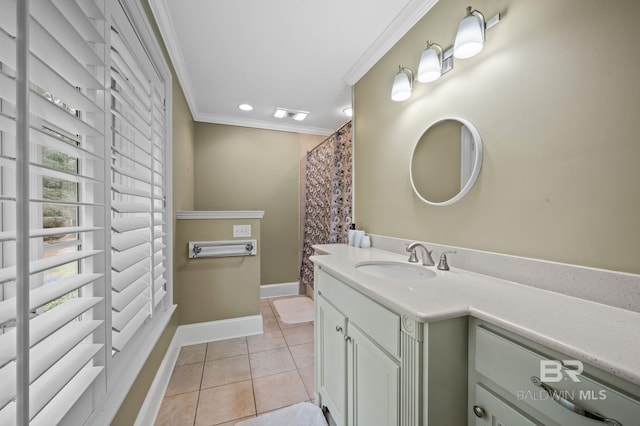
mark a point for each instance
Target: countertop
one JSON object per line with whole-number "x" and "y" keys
{"x": 602, "y": 336}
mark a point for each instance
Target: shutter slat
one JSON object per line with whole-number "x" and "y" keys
{"x": 51, "y": 348}
{"x": 120, "y": 319}
{"x": 45, "y": 294}
{"x": 121, "y": 280}
{"x": 129, "y": 190}
{"x": 129, "y": 207}
{"x": 56, "y": 409}
{"x": 141, "y": 175}
{"x": 45, "y": 324}
{"x": 57, "y": 25}
{"x": 119, "y": 300}
{"x": 123, "y": 260}
{"x": 79, "y": 20}
{"x": 35, "y": 266}
{"x": 124, "y": 224}
{"x": 158, "y": 296}
{"x": 121, "y": 242}
{"x": 11, "y": 235}
{"x": 56, "y": 378}
{"x": 119, "y": 340}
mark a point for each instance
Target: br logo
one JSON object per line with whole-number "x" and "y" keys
{"x": 552, "y": 370}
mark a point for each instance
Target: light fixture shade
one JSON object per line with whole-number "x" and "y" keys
{"x": 401, "y": 89}
{"x": 430, "y": 68}
{"x": 470, "y": 35}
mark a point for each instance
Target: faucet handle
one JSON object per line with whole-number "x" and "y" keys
{"x": 413, "y": 258}
{"x": 443, "y": 265}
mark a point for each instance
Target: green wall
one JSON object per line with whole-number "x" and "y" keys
{"x": 212, "y": 289}
{"x": 555, "y": 97}
{"x": 240, "y": 168}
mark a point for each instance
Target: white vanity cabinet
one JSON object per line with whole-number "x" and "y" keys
{"x": 511, "y": 378}
{"x": 375, "y": 367}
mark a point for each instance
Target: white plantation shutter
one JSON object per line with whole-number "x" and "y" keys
{"x": 97, "y": 270}
{"x": 138, "y": 184}
{"x": 66, "y": 261}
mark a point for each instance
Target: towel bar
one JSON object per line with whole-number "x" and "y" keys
{"x": 199, "y": 249}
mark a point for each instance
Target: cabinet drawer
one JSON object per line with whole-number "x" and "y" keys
{"x": 511, "y": 366}
{"x": 378, "y": 322}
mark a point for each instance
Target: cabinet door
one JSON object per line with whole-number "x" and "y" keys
{"x": 496, "y": 412}
{"x": 331, "y": 359}
{"x": 373, "y": 383}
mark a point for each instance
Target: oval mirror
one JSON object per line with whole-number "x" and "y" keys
{"x": 446, "y": 161}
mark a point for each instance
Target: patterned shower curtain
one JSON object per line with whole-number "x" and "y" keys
{"x": 329, "y": 196}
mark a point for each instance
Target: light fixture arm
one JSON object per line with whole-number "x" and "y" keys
{"x": 431, "y": 45}
{"x": 406, "y": 70}
{"x": 478, "y": 14}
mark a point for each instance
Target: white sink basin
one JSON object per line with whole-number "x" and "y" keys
{"x": 396, "y": 270}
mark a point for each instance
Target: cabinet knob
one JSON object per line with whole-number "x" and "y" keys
{"x": 347, "y": 338}
{"x": 478, "y": 411}
{"x": 338, "y": 329}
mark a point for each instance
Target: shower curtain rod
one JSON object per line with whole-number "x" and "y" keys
{"x": 328, "y": 137}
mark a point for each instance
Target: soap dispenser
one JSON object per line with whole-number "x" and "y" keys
{"x": 351, "y": 234}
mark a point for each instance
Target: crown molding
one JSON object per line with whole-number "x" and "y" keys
{"x": 406, "y": 19}
{"x": 261, "y": 124}
{"x": 220, "y": 214}
{"x": 162, "y": 16}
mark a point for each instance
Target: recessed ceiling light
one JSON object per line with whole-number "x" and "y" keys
{"x": 348, "y": 111}
{"x": 245, "y": 107}
{"x": 300, "y": 116}
{"x": 280, "y": 113}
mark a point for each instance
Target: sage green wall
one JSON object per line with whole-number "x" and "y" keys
{"x": 183, "y": 195}
{"x": 555, "y": 96}
{"x": 240, "y": 168}
{"x": 211, "y": 289}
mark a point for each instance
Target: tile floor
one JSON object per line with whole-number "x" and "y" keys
{"x": 223, "y": 382}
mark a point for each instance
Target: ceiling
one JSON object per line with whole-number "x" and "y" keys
{"x": 293, "y": 54}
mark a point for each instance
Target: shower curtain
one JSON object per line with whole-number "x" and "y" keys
{"x": 329, "y": 196}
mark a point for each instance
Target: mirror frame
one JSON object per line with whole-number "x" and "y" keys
{"x": 477, "y": 162}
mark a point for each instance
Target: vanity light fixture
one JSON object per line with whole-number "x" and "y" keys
{"x": 430, "y": 68}
{"x": 435, "y": 61}
{"x": 471, "y": 33}
{"x": 402, "y": 84}
{"x": 280, "y": 113}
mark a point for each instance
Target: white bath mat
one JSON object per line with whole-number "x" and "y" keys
{"x": 301, "y": 414}
{"x": 294, "y": 309}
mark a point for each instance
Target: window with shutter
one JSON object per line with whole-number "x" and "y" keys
{"x": 87, "y": 265}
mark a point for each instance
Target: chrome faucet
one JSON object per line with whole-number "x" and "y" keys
{"x": 427, "y": 260}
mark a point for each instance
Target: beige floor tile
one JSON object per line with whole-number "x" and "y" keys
{"x": 271, "y": 362}
{"x": 178, "y": 410}
{"x": 270, "y": 324}
{"x": 298, "y": 335}
{"x": 192, "y": 354}
{"x": 185, "y": 378}
{"x": 264, "y": 302}
{"x": 266, "y": 341}
{"x": 226, "y": 348}
{"x": 225, "y": 403}
{"x": 308, "y": 379}
{"x": 302, "y": 355}
{"x": 266, "y": 311}
{"x": 279, "y": 390}
{"x": 226, "y": 370}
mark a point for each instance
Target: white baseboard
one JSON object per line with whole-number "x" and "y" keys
{"x": 278, "y": 290}
{"x": 191, "y": 334}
